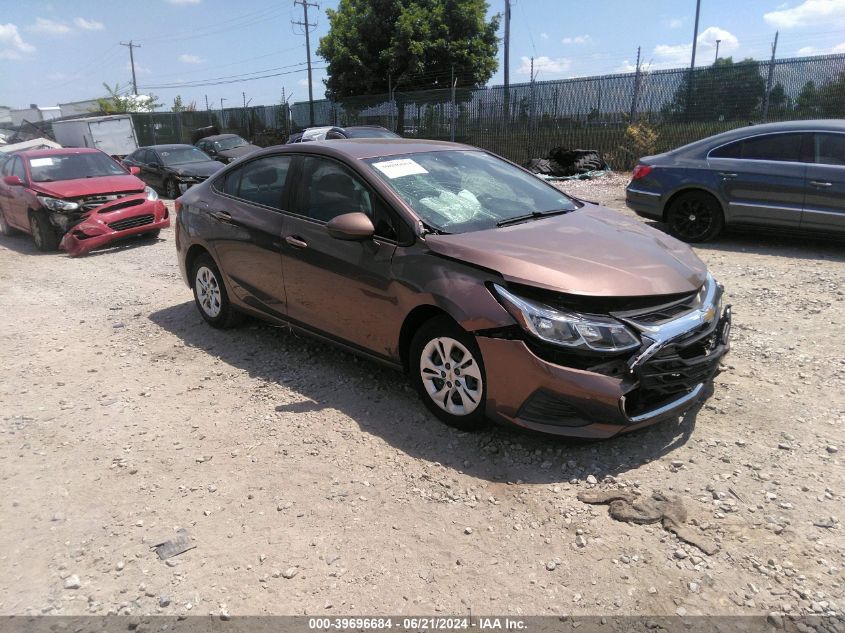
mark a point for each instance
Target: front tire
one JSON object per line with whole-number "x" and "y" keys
{"x": 210, "y": 294}
{"x": 695, "y": 216}
{"x": 171, "y": 189}
{"x": 5, "y": 228}
{"x": 43, "y": 234}
{"x": 448, "y": 373}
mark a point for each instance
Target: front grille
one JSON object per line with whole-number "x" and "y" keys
{"x": 544, "y": 408}
{"x": 676, "y": 370}
{"x": 92, "y": 202}
{"x": 131, "y": 223}
{"x": 124, "y": 205}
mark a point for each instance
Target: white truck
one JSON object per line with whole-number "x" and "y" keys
{"x": 113, "y": 134}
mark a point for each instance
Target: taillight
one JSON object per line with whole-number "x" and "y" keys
{"x": 641, "y": 171}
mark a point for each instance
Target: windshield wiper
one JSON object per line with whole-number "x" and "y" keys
{"x": 534, "y": 215}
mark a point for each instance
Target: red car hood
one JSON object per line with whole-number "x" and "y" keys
{"x": 592, "y": 251}
{"x": 89, "y": 186}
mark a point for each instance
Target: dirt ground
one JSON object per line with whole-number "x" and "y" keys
{"x": 313, "y": 482}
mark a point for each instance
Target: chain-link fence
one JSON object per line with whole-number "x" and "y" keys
{"x": 267, "y": 125}
{"x": 624, "y": 116}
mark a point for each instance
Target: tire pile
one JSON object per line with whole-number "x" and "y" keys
{"x": 563, "y": 162}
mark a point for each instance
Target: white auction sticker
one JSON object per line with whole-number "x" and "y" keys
{"x": 400, "y": 167}
{"x": 40, "y": 162}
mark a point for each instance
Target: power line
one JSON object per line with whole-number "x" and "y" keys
{"x": 231, "y": 81}
{"x": 188, "y": 84}
{"x": 235, "y": 24}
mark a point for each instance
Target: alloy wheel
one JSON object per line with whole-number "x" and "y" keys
{"x": 208, "y": 291}
{"x": 693, "y": 219}
{"x": 451, "y": 376}
{"x": 172, "y": 190}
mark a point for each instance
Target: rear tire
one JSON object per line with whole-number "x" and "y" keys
{"x": 43, "y": 234}
{"x": 210, "y": 294}
{"x": 448, "y": 373}
{"x": 695, "y": 216}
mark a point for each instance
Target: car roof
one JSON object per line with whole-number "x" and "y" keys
{"x": 809, "y": 125}
{"x": 168, "y": 146}
{"x": 34, "y": 153}
{"x": 361, "y": 148}
{"x": 217, "y": 137}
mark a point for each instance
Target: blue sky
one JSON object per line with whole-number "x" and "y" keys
{"x": 60, "y": 51}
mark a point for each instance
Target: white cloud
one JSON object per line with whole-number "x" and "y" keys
{"x": 578, "y": 39}
{"x": 809, "y": 13}
{"x": 544, "y": 36}
{"x": 812, "y": 50}
{"x": 303, "y": 82}
{"x": 185, "y": 58}
{"x": 674, "y": 23}
{"x": 678, "y": 55}
{"x": 139, "y": 70}
{"x": 11, "y": 42}
{"x": 88, "y": 25}
{"x": 51, "y": 27}
{"x": 626, "y": 67}
{"x": 546, "y": 65}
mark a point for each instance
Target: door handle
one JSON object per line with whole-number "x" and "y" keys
{"x": 221, "y": 216}
{"x": 296, "y": 242}
{"x": 727, "y": 175}
{"x": 817, "y": 183}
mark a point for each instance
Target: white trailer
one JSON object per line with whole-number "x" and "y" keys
{"x": 115, "y": 134}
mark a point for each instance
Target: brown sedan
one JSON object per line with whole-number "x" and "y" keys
{"x": 500, "y": 296}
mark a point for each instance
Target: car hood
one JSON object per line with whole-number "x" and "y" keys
{"x": 203, "y": 169}
{"x": 89, "y": 186}
{"x": 237, "y": 152}
{"x": 592, "y": 251}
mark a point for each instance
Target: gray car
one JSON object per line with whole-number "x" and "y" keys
{"x": 788, "y": 175}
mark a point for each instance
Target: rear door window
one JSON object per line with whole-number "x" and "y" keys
{"x": 260, "y": 181}
{"x": 829, "y": 149}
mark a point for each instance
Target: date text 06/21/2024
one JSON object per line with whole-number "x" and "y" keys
{"x": 418, "y": 623}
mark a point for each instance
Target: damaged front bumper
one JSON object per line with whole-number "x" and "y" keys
{"x": 538, "y": 394}
{"x": 128, "y": 216}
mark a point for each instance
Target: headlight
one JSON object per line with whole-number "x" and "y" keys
{"x": 54, "y": 204}
{"x": 152, "y": 194}
{"x": 568, "y": 329}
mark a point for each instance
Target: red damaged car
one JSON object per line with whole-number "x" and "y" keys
{"x": 77, "y": 199}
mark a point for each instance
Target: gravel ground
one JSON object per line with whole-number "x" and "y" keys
{"x": 313, "y": 482}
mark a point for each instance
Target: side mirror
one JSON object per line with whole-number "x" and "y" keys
{"x": 351, "y": 226}
{"x": 134, "y": 170}
{"x": 13, "y": 181}
{"x": 154, "y": 165}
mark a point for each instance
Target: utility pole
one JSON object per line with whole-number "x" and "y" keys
{"x": 206, "y": 103}
{"x": 222, "y": 99}
{"x": 692, "y": 61}
{"x": 454, "y": 85}
{"x": 507, "y": 58}
{"x": 307, "y": 26}
{"x": 635, "y": 98}
{"x": 770, "y": 79}
{"x": 531, "y": 114}
{"x": 717, "y": 51}
{"x": 132, "y": 46}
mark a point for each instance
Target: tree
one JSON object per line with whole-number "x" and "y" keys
{"x": 177, "y": 104}
{"x": 116, "y": 103}
{"x": 373, "y": 45}
{"x": 827, "y": 101}
{"x": 726, "y": 90}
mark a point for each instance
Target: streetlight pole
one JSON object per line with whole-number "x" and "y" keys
{"x": 717, "y": 51}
